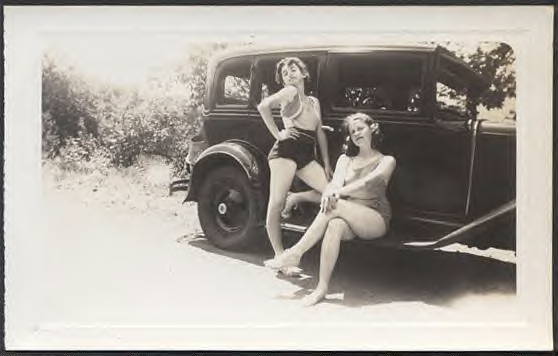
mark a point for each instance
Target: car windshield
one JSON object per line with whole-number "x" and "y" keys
{"x": 453, "y": 89}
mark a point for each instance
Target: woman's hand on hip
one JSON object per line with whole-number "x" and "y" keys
{"x": 286, "y": 134}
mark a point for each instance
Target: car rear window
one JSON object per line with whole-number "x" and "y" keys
{"x": 234, "y": 82}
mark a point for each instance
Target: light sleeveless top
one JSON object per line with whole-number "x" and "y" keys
{"x": 373, "y": 194}
{"x": 297, "y": 113}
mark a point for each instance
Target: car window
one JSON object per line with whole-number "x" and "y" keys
{"x": 237, "y": 89}
{"x": 377, "y": 81}
{"x": 451, "y": 99}
{"x": 234, "y": 82}
{"x": 451, "y": 90}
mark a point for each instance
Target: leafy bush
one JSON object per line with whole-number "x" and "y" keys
{"x": 85, "y": 125}
{"x": 84, "y": 154}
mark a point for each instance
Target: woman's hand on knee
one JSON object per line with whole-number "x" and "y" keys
{"x": 329, "y": 200}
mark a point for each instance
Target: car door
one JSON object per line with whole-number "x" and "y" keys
{"x": 395, "y": 87}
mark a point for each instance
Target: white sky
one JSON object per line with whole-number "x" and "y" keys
{"x": 122, "y": 59}
{"x": 127, "y": 59}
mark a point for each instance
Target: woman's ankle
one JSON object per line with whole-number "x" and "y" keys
{"x": 321, "y": 288}
{"x": 293, "y": 251}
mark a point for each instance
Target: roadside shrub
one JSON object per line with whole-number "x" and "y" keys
{"x": 90, "y": 126}
{"x": 83, "y": 154}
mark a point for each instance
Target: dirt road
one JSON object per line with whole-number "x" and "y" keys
{"x": 111, "y": 265}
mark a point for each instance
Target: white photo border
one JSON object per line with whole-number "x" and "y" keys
{"x": 528, "y": 29}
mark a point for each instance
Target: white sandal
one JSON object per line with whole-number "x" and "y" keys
{"x": 284, "y": 260}
{"x": 290, "y": 271}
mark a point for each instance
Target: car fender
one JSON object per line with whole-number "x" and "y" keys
{"x": 236, "y": 152}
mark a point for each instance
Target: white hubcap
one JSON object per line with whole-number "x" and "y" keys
{"x": 222, "y": 208}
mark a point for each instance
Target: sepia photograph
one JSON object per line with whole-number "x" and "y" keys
{"x": 247, "y": 178}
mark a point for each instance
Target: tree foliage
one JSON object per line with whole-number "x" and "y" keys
{"x": 68, "y": 106}
{"x": 84, "y": 122}
{"x": 495, "y": 62}
{"x": 496, "y": 65}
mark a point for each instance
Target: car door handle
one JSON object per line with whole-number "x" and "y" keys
{"x": 328, "y": 128}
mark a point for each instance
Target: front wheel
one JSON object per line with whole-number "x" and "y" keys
{"x": 229, "y": 209}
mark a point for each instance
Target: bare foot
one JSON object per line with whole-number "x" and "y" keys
{"x": 290, "y": 203}
{"x": 315, "y": 297}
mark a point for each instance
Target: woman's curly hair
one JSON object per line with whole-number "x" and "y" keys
{"x": 287, "y": 62}
{"x": 349, "y": 148}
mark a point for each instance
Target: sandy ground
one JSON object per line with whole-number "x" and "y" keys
{"x": 121, "y": 255}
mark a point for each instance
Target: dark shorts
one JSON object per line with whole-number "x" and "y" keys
{"x": 300, "y": 149}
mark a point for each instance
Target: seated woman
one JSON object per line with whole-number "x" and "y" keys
{"x": 353, "y": 204}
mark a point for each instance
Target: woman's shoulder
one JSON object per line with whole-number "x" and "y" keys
{"x": 314, "y": 100}
{"x": 288, "y": 92}
{"x": 388, "y": 159}
{"x": 343, "y": 158}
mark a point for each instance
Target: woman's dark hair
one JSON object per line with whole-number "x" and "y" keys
{"x": 287, "y": 62}
{"x": 349, "y": 147}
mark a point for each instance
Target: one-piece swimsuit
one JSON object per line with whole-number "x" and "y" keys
{"x": 373, "y": 194}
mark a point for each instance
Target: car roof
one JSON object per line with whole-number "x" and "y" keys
{"x": 249, "y": 50}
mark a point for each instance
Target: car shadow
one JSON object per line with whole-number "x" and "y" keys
{"x": 367, "y": 274}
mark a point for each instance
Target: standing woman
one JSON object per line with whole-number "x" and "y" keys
{"x": 293, "y": 152}
{"x": 353, "y": 204}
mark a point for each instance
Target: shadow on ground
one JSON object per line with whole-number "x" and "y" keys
{"x": 368, "y": 274}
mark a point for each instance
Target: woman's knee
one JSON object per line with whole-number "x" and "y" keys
{"x": 328, "y": 215}
{"x": 336, "y": 228}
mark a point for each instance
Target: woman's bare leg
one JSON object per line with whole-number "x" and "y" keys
{"x": 291, "y": 257}
{"x": 313, "y": 174}
{"x": 337, "y": 230}
{"x": 365, "y": 222}
{"x": 282, "y": 172}
{"x": 293, "y": 199}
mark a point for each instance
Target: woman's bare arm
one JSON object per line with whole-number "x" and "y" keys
{"x": 340, "y": 170}
{"x": 264, "y": 107}
{"x": 329, "y": 196}
{"x": 383, "y": 171}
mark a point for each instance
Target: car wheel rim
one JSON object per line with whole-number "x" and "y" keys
{"x": 230, "y": 207}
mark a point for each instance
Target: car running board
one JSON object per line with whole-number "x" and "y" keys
{"x": 459, "y": 235}
{"x": 467, "y": 231}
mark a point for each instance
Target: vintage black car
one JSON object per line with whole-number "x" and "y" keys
{"x": 455, "y": 175}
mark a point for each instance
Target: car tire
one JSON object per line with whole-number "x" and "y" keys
{"x": 229, "y": 209}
